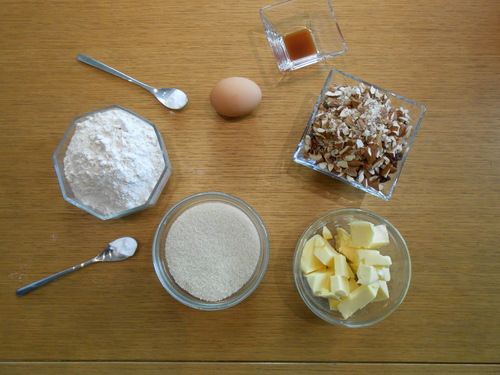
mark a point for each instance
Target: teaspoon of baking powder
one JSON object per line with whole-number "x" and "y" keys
{"x": 120, "y": 249}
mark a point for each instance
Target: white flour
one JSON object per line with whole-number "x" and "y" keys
{"x": 113, "y": 161}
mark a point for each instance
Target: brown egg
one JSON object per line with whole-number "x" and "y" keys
{"x": 235, "y": 96}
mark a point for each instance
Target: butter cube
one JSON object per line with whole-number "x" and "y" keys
{"x": 367, "y": 274}
{"x": 342, "y": 243}
{"x": 383, "y": 273}
{"x": 308, "y": 262}
{"x": 341, "y": 266}
{"x": 377, "y": 260}
{"x": 350, "y": 271}
{"x": 319, "y": 241}
{"x": 327, "y": 235}
{"x": 325, "y": 254}
{"x": 383, "y": 291}
{"x": 358, "y": 299}
{"x": 319, "y": 282}
{"x": 353, "y": 285}
{"x": 333, "y": 303}
{"x": 366, "y": 235}
{"x": 342, "y": 238}
{"x": 362, "y": 254}
{"x": 339, "y": 285}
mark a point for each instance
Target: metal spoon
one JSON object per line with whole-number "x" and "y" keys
{"x": 111, "y": 253}
{"x": 170, "y": 98}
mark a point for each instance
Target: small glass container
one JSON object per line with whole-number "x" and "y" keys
{"x": 400, "y": 270}
{"x": 302, "y": 32}
{"x": 416, "y": 112}
{"x": 58, "y": 159}
{"x": 160, "y": 259}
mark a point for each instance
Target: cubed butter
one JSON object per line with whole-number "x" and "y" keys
{"x": 320, "y": 241}
{"x": 383, "y": 273}
{"x": 342, "y": 241}
{"x": 383, "y": 291}
{"x": 353, "y": 285}
{"x": 367, "y": 274}
{"x": 339, "y": 285}
{"x": 319, "y": 281}
{"x": 358, "y": 299}
{"x": 325, "y": 254}
{"x": 377, "y": 260}
{"x": 327, "y": 235}
{"x": 341, "y": 266}
{"x": 366, "y": 235}
{"x": 333, "y": 303}
{"x": 308, "y": 262}
{"x": 362, "y": 254}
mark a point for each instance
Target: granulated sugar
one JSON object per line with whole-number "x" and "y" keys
{"x": 212, "y": 250}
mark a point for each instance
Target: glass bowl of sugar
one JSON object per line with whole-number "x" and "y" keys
{"x": 210, "y": 251}
{"x": 112, "y": 162}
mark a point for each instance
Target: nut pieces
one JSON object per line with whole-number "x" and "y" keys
{"x": 357, "y": 135}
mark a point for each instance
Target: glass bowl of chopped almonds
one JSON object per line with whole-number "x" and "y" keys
{"x": 360, "y": 134}
{"x": 352, "y": 268}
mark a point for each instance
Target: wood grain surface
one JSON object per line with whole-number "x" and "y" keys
{"x": 112, "y": 318}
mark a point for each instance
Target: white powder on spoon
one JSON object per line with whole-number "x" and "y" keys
{"x": 125, "y": 246}
{"x": 212, "y": 250}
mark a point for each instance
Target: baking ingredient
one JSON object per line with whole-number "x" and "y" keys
{"x": 309, "y": 262}
{"x": 367, "y": 235}
{"x": 125, "y": 246}
{"x": 235, "y": 96}
{"x": 348, "y": 285}
{"x": 299, "y": 44}
{"x": 113, "y": 161}
{"x": 357, "y": 135}
{"x": 358, "y": 299}
{"x": 212, "y": 250}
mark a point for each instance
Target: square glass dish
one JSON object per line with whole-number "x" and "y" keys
{"x": 359, "y": 134}
{"x": 302, "y": 32}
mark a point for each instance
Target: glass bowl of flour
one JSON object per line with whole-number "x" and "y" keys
{"x": 210, "y": 251}
{"x": 112, "y": 162}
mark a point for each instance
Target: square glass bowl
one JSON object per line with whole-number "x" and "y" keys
{"x": 400, "y": 270}
{"x": 67, "y": 191}
{"x": 160, "y": 259}
{"x": 302, "y": 32}
{"x": 337, "y": 144}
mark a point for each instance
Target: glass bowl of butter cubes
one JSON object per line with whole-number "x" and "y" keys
{"x": 352, "y": 268}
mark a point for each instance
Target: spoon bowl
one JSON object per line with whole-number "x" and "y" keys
{"x": 120, "y": 249}
{"x": 171, "y": 98}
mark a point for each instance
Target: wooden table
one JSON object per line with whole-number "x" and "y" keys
{"x": 112, "y": 318}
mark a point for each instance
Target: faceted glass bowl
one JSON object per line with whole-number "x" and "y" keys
{"x": 416, "y": 112}
{"x": 400, "y": 270}
{"x": 290, "y": 16}
{"x": 67, "y": 192}
{"x": 162, "y": 268}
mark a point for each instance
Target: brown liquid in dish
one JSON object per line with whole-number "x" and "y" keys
{"x": 299, "y": 44}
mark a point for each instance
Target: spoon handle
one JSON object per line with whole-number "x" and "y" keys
{"x": 99, "y": 65}
{"x": 37, "y": 284}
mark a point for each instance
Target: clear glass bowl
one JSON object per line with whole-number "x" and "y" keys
{"x": 416, "y": 112}
{"x": 400, "y": 270}
{"x": 161, "y": 265}
{"x": 67, "y": 192}
{"x": 289, "y": 16}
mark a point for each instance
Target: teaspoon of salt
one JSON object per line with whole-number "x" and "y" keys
{"x": 120, "y": 249}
